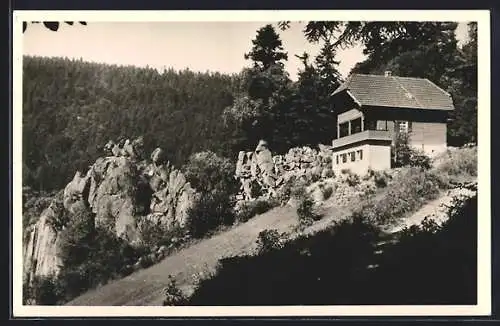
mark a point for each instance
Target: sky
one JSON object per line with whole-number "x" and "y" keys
{"x": 199, "y": 46}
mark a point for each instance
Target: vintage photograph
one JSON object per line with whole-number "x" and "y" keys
{"x": 249, "y": 163}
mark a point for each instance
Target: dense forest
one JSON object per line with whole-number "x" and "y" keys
{"x": 72, "y": 108}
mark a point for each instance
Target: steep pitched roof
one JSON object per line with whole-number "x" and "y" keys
{"x": 395, "y": 91}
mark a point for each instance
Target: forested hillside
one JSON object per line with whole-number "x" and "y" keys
{"x": 72, "y": 108}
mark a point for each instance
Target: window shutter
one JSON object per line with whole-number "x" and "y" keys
{"x": 409, "y": 126}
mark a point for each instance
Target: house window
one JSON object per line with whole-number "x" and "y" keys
{"x": 344, "y": 158}
{"x": 382, "y": 125}
{"x": 337, "y": 160}
{"x": 344, "y": 129}
{"x": 353, "y": 156}
{"x": 370, "y": 124}
{"x": 360, "y": 154}
{"x": 402, "y": 126}
{"x": 356, "y": 126}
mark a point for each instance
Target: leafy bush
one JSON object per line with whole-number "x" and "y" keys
{"x": 90, "y": 255}
{"x": 213, "y": 177}
{"x": 210, "y": 211}
{"x": 155, "y": 233}
{"x": 409, "y": 190}
{"x": 249, "y": 209}
{"x": 380, "y": 180}
{"x": 208, "y": 173}
{"x": 327, "y": 192}
{"x": 293, "y": 188}
{"x": 405, "y": 155}
{"x": 353, "y": 179}
{"x": 329, "y": 173}
{"x": 35, "y": 202}
{"x": 173, "y": 295}
{"x": 43, "y": 290}
{"x": 269, "y": 240}
{"x": 459, "y": 163}
{"x": 305, "y": 209}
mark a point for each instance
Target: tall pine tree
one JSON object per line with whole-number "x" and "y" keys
{"x": 264, "y": 90}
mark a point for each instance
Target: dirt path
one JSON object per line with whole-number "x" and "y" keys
{"x": 435, "y": 209}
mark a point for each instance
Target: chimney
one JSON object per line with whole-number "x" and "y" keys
{"x": 388, "y": 73}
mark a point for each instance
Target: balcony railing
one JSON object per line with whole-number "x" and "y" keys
{"x": 361, "y": 136}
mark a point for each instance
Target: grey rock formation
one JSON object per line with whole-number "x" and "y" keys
{"x": 40, "y": 252}
{"x": 272, "y": 172}
{"x": 113, "y": 189}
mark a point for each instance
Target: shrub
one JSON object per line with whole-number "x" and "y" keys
{"x": 305, "y": 209}
{"x": 404, "y": 155}
{"x": 34, "y": 203}
{"x": 418, "y": 158}
{"x": 327, "y": 192}
{"x": 155, "y": 233}
{"x": 380, "y": 179}
{"x": 44, "y": 290}
{"x": 91, "y": 255}
{"x": 345, "y": 171}
{"x": 270, "y": 240}
{"x": 210, "y": 211}
{"x": 208, "y": 173}
{"x": 459, "y": 163}
{"x": 353, "y": 179}
{"x": 409, "y": 190}
{"x": 61, "y": 217}
{"x": 249, "y": 209}
{"x": 292, "y": 188}
{"x": 329, "y": 173}
{"x": 173, "y": 295}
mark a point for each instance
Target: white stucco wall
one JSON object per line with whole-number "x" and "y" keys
{"x": 375, "y": 157}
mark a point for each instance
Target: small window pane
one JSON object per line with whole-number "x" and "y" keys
{"x": 344, "y": 129}
{"x": 382, "y": 125}
{"x": 353, "y": 156}
{"x": 403, "y": 126}
{"x": 356, "y": 126}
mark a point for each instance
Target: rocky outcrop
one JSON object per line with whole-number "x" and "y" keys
{"x": 40, "y": 254}
{"x": 112, "y": 194}
{"x": 172, "y": 194}
{"x": 260, "y": 169}
{"x": 121, "y": 189}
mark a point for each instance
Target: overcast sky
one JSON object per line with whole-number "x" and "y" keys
{"x": 199, "y": 46}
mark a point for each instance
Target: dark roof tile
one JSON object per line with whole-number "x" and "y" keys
{"x": 395, "y": 91}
